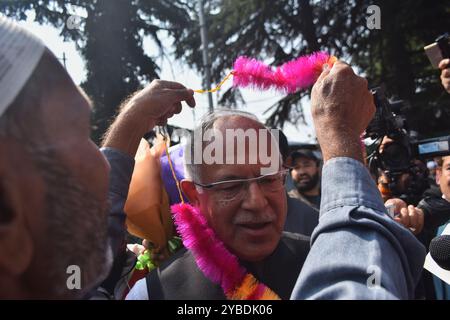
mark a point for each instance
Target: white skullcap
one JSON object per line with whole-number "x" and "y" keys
{"x": 20, "y": 52}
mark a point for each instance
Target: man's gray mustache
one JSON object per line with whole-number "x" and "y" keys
{"x": 254, "y": 219}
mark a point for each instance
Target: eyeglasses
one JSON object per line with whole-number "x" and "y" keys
{"x": 234, "y": 190}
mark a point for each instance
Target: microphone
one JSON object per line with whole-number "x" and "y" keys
{"x": 440, "y": 251}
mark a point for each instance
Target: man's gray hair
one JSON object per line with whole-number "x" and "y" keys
{"x": 192, "y": 169}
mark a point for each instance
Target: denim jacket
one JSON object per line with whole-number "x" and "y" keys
{"x": 357, "y": 250}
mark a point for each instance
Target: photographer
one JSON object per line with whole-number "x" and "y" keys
{"x": 437, "y": 209}
{"x": 422, "y": 212}
{"x": 433, "y": 213}
{"x": 437, "y": 212}
{"x": 400, "y": 185}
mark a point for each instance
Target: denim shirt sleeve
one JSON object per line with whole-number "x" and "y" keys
{"x": 122, "y": 166}
{"x": 357, "y": 250}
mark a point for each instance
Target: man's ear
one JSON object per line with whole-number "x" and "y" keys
{"x": 188, "y": 188}
{"x": 16, "y": 244}
{"x": 438, "y": 175}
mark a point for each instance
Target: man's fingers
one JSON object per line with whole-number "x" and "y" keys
{"x": 170, "y": 84}
{"x": 416, "y": 217}
{"x": 182, "y": 95}
{"x": 447, "y": 85}
{"x": 445, "y": 73}
{"x": 170, "y": 115}
{"x": 177, "y": 108}
{"x": 161, "y": 122}
{"x": 190, "y": 98}
{"x": 167, "y": 116}
{"x": 191, "y": 102}
{"x": 178, "y": 91}
{"x": 444, "y": 63}
{"x": 421, "y": 220}
{"x": 413, "y": 218}
{"x": 404, "y": 217}
{"x": 410, "y": 217}
{"x": 325, "y": 72}
{"x": 397, "y": 203}
{"x": 340, "y": 66}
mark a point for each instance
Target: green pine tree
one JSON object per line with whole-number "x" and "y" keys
{"x": 110, "y": 40}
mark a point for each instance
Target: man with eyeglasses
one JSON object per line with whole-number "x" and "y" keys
{"x": 244, "y": 205}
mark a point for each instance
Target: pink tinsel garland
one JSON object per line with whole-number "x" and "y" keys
{"x": 290, "y": 77}
{"x": 212, "y": 258}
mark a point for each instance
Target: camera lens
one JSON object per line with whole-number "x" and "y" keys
{"x": 395, "y": 156}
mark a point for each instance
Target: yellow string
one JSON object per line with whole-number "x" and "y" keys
{"x": 173, "y": 171}
{"x": 218, "y": 86}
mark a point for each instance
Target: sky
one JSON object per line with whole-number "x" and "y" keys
{"x": 257, "y": 101}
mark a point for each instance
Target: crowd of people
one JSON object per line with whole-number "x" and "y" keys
{"x": 311, "y": 229}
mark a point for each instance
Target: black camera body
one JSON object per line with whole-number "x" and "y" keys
{"x": 388, "y": 121}
{"x": 396, "y": 160}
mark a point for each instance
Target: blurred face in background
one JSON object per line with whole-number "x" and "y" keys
{"x": 305, "y": 173}
{"x": 443, "y": 177}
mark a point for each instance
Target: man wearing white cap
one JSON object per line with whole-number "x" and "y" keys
{"x": 53, "y": 178}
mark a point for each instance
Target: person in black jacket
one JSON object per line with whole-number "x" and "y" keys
{"x": 433, "y": 211}
{"x": 436, "y": 209}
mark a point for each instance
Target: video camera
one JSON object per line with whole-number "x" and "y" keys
{"x": 388, "y": 121}
{"x": 396, "y": 159}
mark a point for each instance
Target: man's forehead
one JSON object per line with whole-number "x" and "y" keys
{"x": 445, "y": 160}
{"x": 236, "y": 129}
{"x": 69, "y": 104}
{"x": 237, "y": 122}
{"x": 302, "y": 159}
{"x": 237, "y": 147}
{"x": 217, "y": 172}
